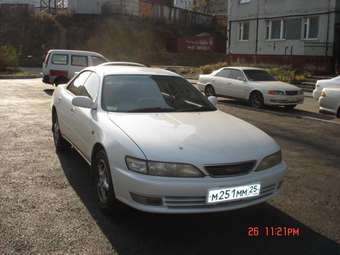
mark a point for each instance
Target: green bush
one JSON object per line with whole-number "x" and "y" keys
{"x": 8, "y": 57}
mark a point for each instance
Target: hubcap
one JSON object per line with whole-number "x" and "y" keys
{"x": 256, "y": 100}
{"x": 102, "y": 181}
{"x": 210, "y": 91}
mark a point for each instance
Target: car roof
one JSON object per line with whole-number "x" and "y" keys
{"x": 243, "y": 68}
{"x": 130, "y": 70}
{"x": 74, "y": 52}
{"x": 122, "y": 64}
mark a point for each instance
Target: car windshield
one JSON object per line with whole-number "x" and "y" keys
{"x": 151, "y": 93}
{"x": 258, "y": 75}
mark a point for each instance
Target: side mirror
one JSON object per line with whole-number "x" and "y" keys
{"x": 213, "y": 100}
{"x": 84, "y": 102}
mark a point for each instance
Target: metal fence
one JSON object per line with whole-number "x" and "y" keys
{"x": 158, "y": 12}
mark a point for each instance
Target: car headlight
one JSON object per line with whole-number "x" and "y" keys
{"x": 270, "y": 161}
{"x": 276, "y": 92}
{"x": 136, "y": 165}
{"x": 162, "y": 168}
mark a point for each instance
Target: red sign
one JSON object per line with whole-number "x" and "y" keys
{"x": 196, "y": 43}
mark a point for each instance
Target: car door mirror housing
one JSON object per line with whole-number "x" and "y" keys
{"x": 84, "y": 102}
{"x": 213, "y": 100}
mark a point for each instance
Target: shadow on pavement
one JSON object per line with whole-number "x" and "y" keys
{"x": 276, "y": 110}
{"x": 218, "y": 233}
{"x": 49, "y": 91}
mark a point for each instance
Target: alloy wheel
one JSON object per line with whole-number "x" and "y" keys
{"x": 103, "y": 186}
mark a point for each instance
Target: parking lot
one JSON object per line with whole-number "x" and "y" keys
{"x": 47, "y": 204}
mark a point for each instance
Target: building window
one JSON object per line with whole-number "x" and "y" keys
{"x": 244, "y": 1}
{"x": 293, "y": 29}
{"x": 244, "y": 31}
{"x": 275, "y": 29}
{"x": 311, "y": 28}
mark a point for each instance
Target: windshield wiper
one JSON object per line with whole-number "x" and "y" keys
{"x": 153, "y": 109}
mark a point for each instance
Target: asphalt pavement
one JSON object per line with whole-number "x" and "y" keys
{"x": 48, "y": 206}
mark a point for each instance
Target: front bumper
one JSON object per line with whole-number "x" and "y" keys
{"x": 283, "y": 100}
{"x": 188, "y": 195}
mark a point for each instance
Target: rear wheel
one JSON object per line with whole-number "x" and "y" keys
{"x": 59, "y": 142}
{"x": 60, "y": 80}
{"x": 256, "y": 99}
{"x": 209, "y": 91}
{"x": 103, "y": 183}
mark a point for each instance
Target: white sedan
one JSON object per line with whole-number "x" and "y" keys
{"x": 155, "y": 143}
{"x": 255, "y": 85}
{"x": 330, "y": 101}
{"x": 326, "y": 83}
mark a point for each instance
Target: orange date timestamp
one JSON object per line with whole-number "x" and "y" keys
{"x": 273, "y": 231}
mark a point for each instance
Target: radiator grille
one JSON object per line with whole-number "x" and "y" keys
{"x": 292, "y": 92}
{"x": 230, "y": 169}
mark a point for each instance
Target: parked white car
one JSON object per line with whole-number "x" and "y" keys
{"x": 157, "y": 144}
{"x": 252, "y": 84}
{"x": 61, "y": 65}
{"x": 330, "y": 101}
{"x": 325, "y": 83}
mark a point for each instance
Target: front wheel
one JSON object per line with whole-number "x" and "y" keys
{"x": 103, "y": 183}
{"x": 209, "y": 91}
{"x": 256, "y": 100}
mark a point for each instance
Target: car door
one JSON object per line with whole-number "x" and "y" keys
{"x": 238, "y": 84}
{"x": 85, "y": 120}
{"x": 222, "y": 83}
{"x": 69, "y": 111}
{"x": 78, "y": 63}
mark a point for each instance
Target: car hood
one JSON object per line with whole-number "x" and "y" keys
{"x": 204, "y": 137}
{"x": 329, "y": 82}
{"x": 274, "y": 85}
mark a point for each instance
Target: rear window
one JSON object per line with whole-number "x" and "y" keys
{"x": 97, "y": 60}
{"x": 79, "y": 60}
{"x": 60, "y": 59}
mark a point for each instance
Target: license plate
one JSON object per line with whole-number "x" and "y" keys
{"x": 233, "y": 193}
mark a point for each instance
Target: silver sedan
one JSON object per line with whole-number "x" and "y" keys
{"x": 254, "y": 85}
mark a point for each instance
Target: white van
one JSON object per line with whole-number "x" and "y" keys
{"x": 60, "y": 65}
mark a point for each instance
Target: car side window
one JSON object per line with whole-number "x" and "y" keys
{"x": 225, "y": 73}
{"x": 91, "y": 86}
{"x": 60, "y": 59}
{"x": 77, "y": 86}
{"x": 237, "y": 75}
{"x": 77, "y": 60}
{"x": 97, "y": 60}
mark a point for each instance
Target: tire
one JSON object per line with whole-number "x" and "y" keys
{"x": 338, "y": 113}
{"x": 290, "y": 107}
{"x": 59, "y": 142}
{"x": 256, "y": 99}
{"x": 209, "y": 91}
{"x": 103, "y": 184}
